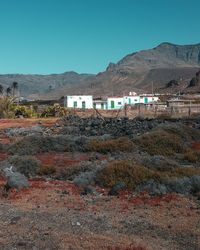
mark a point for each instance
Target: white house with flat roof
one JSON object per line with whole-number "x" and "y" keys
{"x": 100, "y": 104}
{"x": 79, "y": 101}
{"x": 145, "y": 98}
{"x": 116, "y": 102}
{"x": 134, "y": 99}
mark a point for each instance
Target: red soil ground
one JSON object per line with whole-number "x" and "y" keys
{"x": 45, "y": 216}
{"x": 196, "y": 146}
{"x": 61, "y": 159}
{"x": 12, "y": 123}
{"x": 127, "y": 220}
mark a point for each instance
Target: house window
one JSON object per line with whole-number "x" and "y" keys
{"x": 75, "y": 104}
{"x": 135, "y": 100}
{"x": 119, "y": 103}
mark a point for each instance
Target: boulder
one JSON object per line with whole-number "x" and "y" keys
{"x": 17, "y": 180}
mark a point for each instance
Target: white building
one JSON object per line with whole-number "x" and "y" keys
{"x": 131, "y": 99}
{"x": 116, "y": 102}
{"x": 79, "y": 101}
{"x": 148, "y": 98}
{"x": 100, "y": 104}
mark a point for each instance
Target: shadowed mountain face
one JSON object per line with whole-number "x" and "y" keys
{"x": 135, "y": 72}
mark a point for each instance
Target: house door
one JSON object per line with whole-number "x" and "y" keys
{"x": 75, "y": 104}
{"x": 112, "y": 104}
{"x": 129, "y": 101}
{"x": 83, "y": 105}
{"x": 145, "y": 100}
{"x": 102, "y": 106}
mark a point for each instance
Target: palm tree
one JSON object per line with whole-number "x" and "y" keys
{"x": 1, "y": 90}
{"x": 14, "y": 87}
{"x": 8, "y": 91}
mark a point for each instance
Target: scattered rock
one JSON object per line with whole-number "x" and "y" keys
{"x": 114, "y": 190}
{"x": 88, "y": 189}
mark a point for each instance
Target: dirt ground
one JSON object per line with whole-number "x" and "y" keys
{"x": 53, "y": 214}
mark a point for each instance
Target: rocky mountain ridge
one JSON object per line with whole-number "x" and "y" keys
{"x": 139, "y": 71}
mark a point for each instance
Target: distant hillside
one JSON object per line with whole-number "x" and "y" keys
{"x": 135, "y": 72}
{"x": 44, "y": 84}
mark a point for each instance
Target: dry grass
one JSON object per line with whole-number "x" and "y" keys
{"x": 122, "y": 144}
{"x": 161, "y": 143}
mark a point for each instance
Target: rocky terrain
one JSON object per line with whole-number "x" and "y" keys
{"x": 138, "y": 72}
{"x": 100, "y": 183}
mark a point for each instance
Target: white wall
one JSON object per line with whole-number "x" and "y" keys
{"x": 117, "y": 101}
{"x": 132, "y": 99}
{"x": 98, "y": 105}
{"x": 70, "y": 101}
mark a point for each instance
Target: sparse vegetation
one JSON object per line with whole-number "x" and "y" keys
{"x": 71, "y": 172}
{"x": 122, "y": 144}
{"x": 26, "y": 165}
{"x": 46, "y": 170}
{"x": 192, "y": 157}
{"x": 7, "y": 107}
{"x": 124, "y": 171}
{"x": 134, "y": 175}
{"x": 55, "y": 111}
{"x": 161, "y": 143}
{"x": 24, "y": 111}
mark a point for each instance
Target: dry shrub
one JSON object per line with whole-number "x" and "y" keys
{"x": 122, "y": 144}
{"x": 46, "y": 170}
{"x": 161, "y": 143}
{"x": 186, "y": 133}
{"x": 126, "y": 172}
{"x": 71, "y": 172}
{"x": 134, "y": 175}
{"x": 192, "y": 157}
{"x": 26, "y": 165}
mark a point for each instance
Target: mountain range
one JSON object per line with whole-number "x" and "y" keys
{"x": 139, "y": 72}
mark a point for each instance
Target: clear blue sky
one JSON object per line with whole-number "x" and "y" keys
{"x": 55, "y": 36}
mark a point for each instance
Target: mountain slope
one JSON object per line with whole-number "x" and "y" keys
{"x": 135, "y": 72}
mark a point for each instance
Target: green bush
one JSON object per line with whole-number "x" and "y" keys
{"x": 55, "y": 111}
{"x": 25, "y": 111}
{"x": 161, "y": 143}
{"x": 122, "y": 144}
{"x": 7, "y": 107}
